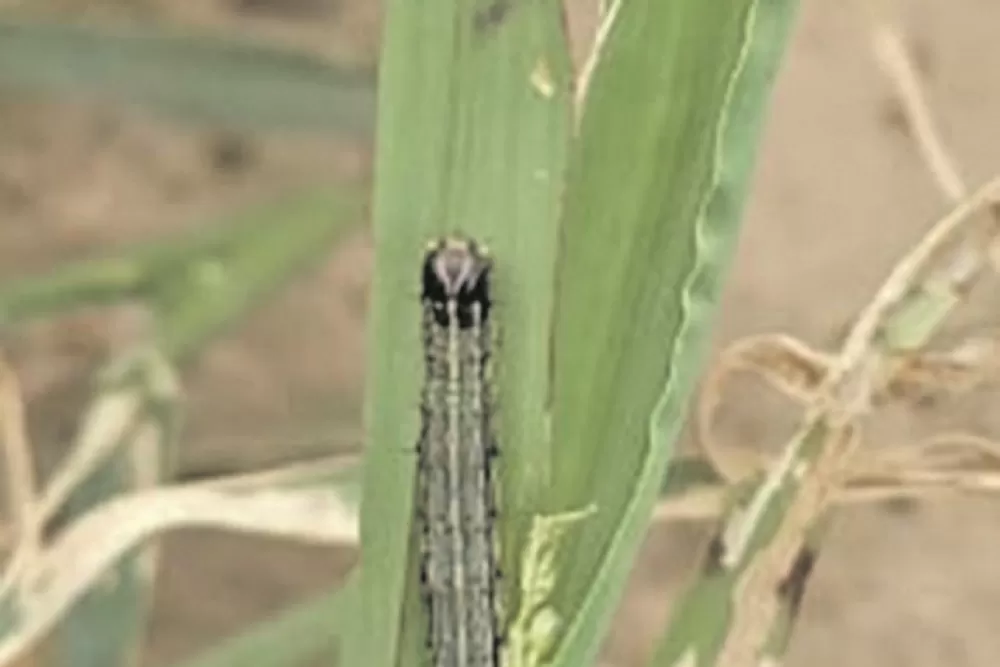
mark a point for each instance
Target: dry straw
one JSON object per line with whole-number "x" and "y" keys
{"x": 43, "y": 577}
{"x": 884, "y": 358}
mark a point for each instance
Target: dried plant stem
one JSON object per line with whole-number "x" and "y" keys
{"x": 755, "y": 573}
{"x": 91, "y": 546}
{"x": 43, "y": 580}
{"x": 891, "y": 55}
{"x": 21, "y": 482}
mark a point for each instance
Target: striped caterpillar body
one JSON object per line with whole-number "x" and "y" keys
{"x": 457, "y": 452}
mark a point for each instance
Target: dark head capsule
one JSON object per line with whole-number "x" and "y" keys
{"x": 457, "y": 271}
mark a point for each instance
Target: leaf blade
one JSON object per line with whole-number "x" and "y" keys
{"x": 192, "y": 77}
{"x": 649, "y": 187}
{"x": 471, "y": 141}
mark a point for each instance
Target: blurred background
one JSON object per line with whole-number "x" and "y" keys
{"x": 840, "y": 193}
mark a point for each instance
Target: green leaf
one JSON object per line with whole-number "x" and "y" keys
{"x": 206, "y": 292}
{"x": 204, "y": 78}
{"x": 703, "y": 617}
{"x": 530, "y": 633}
{"x": 473, "y": 127}
{"x": 241, "y": 256}
{"x": 69, "y": 286}
{"x": 653, "y": 206}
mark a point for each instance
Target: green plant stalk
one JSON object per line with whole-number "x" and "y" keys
{"x": 474, "y": 121}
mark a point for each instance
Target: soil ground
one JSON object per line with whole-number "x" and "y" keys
{"x": 839, "y": 194}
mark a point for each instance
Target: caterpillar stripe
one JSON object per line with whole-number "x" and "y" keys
{"x": 457, "y": 451}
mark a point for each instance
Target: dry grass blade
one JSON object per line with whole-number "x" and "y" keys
{"x": 972, "y": 363}
{"x": 764, "y": 538}
{"x": 785, "y": 364}
{"x": 768, "y": 534}
{"x": 90, "y": 547}
{"x": 21, "y": 482}
{"x": 109, "y": 422}
{"x": 797, "y": 371}
{"x": 42, "y": 581}
{"x": 891, "y": 55}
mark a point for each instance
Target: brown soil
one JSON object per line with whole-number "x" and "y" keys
{"x": 839, "y": 194}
